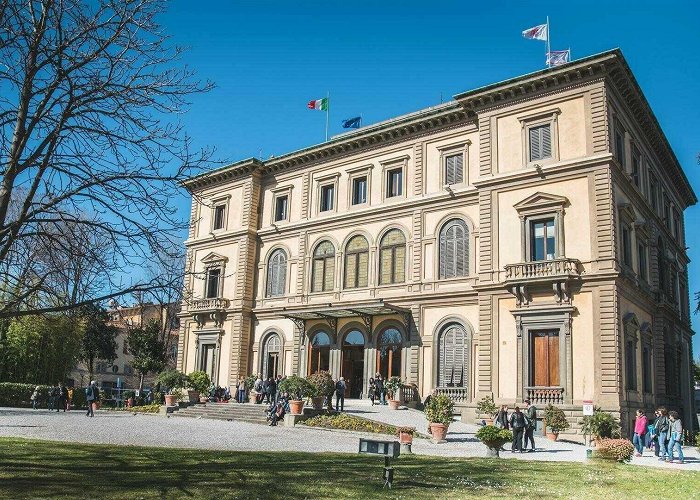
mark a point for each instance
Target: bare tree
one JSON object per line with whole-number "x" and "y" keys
{"x": 90, "y": 92}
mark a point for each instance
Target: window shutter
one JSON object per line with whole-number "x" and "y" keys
{"x": 450, "y": 253}
{"x": 363, "y": 265}
{"x": 443, "y": 254}
{"x": 450, "y": 170}
{"x": 350, "y": 267}
{"x": 329, "y": 273}
{"x": 317, "y": 276}
{"x": 385, "y": 266}
{"x": 400, "y": 265}
{"x": 459, "y": 168}
{"x": 535, "y": 148}
{"x": 546, "y": 144}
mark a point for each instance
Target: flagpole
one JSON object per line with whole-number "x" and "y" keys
{"x": 328, "y": 111}
{"x": 546, "y": 56}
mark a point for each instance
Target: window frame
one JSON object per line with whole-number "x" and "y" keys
{"x": 356, "y": 254}
{"x": 279, "y": 193}
{"x": 537, "y": 119}
{"x": 354, "y": 174}
{"x": 620, "y": 150}
{"x": 324, "y": 259}
{"x": 390, "y": 166}
{"x": 330, "y": 180}
{"x": 216, "y": 203}
{"x": 443, "y": 228}
{"x": 462, "y": 149}
{"x": 536, "y": 207}
{"x": 636, "y": 173}
{"x": 269, "y": 292}
{"x": 207, "y": 282}
{"x": 394, "y": 266}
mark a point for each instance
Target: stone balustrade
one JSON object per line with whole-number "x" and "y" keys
{"x": 545, "y": 395}
{"x": 543, "y": 269}
{"x": 209, "y": 304}
{"x": 456, "y": 394}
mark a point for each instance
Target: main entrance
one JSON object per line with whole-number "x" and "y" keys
{"x": 353, "y": 363}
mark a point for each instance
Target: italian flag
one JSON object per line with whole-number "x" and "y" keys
{"x": 320, "y": 104}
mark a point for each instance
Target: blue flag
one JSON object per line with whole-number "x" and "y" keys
{"x": 352, "y": 122}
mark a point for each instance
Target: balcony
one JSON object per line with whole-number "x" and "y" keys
{"x": 456, "y": 394}
{"x": 554, "y": 274}
{"x": 545, "y": 395}
{"x": 213, "y": 304}
{"x": 204, "y": 310}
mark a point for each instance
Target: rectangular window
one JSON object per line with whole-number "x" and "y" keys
{"x": 540, "y": 142}
{"x": 642, "y": 260}
{"x": 620, "y": 145}
{"x": 636, "y": 168}
{"x": 327, "y": 198}
{"x": 454, "y": 169}
{"x": 394, "y": 182}
{"x": 219, "y": 216}
{"x": 654, "y": 193}
{"x": 626, "y": 245}
{"x": 544, "y": 363}
{"x": 281, "y": 203}
{"x": 631, "y": 364}
{"x": 646, "y": 369}
{"x": 359, "y": 190}
{"x": 667, "y": 213}
{"x": 676, "y": 223}
{"x": 213, "y": 279}
{"x": 543, "y": 241}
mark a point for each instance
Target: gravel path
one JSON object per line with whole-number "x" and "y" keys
{"x": 153, "y": 430}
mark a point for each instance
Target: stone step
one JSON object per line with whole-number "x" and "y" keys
{"x": 226, "y": 411}
{"x": 225, "y": 418}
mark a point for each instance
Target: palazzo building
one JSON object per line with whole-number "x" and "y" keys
{"x": 525, "y": 240}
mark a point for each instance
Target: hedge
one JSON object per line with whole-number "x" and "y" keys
{"x": 17, "y": 395}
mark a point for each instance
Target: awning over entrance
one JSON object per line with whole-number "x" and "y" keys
{"x": 330, "y": 313}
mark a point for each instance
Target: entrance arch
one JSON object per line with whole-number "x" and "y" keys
{"x": 353, "y": 362}
{"x": 389, "y": 345}
{"x": 271, "y": 356}
{"x": 319, "y": 352}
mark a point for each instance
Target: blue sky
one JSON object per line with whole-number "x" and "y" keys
{"x": 382, "y": 59}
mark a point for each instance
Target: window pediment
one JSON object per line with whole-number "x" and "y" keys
{"x": 630, "y": 319}
{"x": 540, "y": 202}
{"x": 214, "y": 258}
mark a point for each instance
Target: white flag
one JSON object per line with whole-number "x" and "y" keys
{"x": 536, "y": 33}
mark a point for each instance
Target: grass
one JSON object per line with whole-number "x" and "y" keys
{"x": 349, "y": 423}
{"x": 40, "y": 469}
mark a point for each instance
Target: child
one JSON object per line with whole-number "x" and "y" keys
{"x": 676, "y": 438}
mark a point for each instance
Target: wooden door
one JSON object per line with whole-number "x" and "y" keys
{"x": 545, "y": 358}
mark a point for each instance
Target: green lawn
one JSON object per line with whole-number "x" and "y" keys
{"x": 38, "y": 469}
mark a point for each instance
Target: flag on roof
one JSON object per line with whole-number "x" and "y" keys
{"x": 352, "y": 122}
{"x": 537, "y": 32}
{"x": 558, "y": 57}
{"x": 320, "y": 104}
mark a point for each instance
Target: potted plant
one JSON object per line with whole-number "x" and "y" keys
{"x": 486, "y": 406}
{"x": 405, "y": 434}
{"x": 439, "y": 411}
{"x": 173, "y": 381}
{"x": 600, "y": 425}
{"x": 393, "y": 389}
{"x": 494, "y": 438}
{"x": 298, "y": 388}
{"x": 199, "y": 383}
{"x": 619, "y": 450}
{"x": 324, "y": 385}
{"x": 555, "y": 420}
{"x": 249, "y": 386}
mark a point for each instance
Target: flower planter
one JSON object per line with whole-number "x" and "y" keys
{"x": 251, "y": 396}
{"x": 489, "y": 421}
{"x": 296, "y": 407}
{"x": 405, "y": 438}
{"x": 170, "y": 400}
{"x": 493, "y": 448}
{"x": 438, "y": 431}
{"x": 318, "y": 402}
{"x": 394, "y": 404}
{"x": 193, "y": 396}
{"x": 552, "y": 436}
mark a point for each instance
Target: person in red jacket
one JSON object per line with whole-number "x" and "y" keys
{"x": 640, "y": 429}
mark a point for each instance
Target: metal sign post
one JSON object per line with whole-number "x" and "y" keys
{"x": 588, "y": 410}
{"x": 388, "y": 449}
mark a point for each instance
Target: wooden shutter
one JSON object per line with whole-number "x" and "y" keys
{"x": 450, "y": 170}
{"x": 443, "y": 253}
{"x": 546, "y": 136}
{"x": 535, "y": 147}
{"x": 454, "y": 255}
{"x": 363, "y": 268}
{"x": 329, "y": 272}
{"x": 400, "y": 264}
{"x": 385, "y": 266}
{"x": 317, "y": 276}
{"x": 350, "y": 270}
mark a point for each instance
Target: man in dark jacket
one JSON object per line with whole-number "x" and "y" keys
{"x": 518, "y": 422}
{"x": 661, "y": 425}
{"x": 271, "y": 390}
{"x": 531, "y": 414}
{"x": 340, "y": 394}
{"x": 265, "y": 391}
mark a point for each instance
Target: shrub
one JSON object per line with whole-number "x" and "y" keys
{"x": 199, "y": 381}
{"x": 79, "y": 400}
{"x": 250, "y": 382}
{"x": 439, "y": 410}
{"x": 323, "y": 382}
{"x": 486, "y": 406}
{"x": 349, "y": 423}
{"x": 556, "y": 419}
{"x": 17, "y": 395}
{"x": 393, "y": 386}
{"x": 406, "y": 430}
{"x": 493, "y": 437}
{"x": 152, "y": 408}
{"x": 601, "y": 425}
{"x": 172, "y": 380}
{"x": 297, "y": 387}
{"x": 615, "y": 449}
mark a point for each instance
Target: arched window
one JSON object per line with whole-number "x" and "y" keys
{"x": 392, "y": 258}
{"x": 356, "y": 262}
{"x": 454, "y": 249}
{"x": 276, "y": 273}
{"x": 453, "y": 356}
{"x": 389, "y": 353}
{"x": 354, "y": 337}
{"x": 319, "y": 352}
{"x": 323, "y": 267}
{"x": 271, "y": 356}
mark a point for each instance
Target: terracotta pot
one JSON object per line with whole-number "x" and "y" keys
{"x": 296, "y": 407}
{"x": 193, "y": 396}
{"x": 489, "y": 421}
{"x": 493, "y": 449}
{"x": 251, "y": 396}
{"x": 318, "y": 402}
{"x": 405, "y": 438}
{"x": 438, "y": 431}
{"x": 394, "y": 404}
{"x": 170, "y": 400}
{"x": 552, "y": 436}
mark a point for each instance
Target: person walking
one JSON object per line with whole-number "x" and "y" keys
{"x": 258, "y": 387}
{"x": 502, "y": 418}
{"x": 34, "y": 398}
{"x": 340, "y": 394}
{"x": 91, "y": 394}
{"x": 640, "y": 429}
{"x": 531, "y": 414}
{"x": 271, "y": 390}
{"x": 379, "y": 382}
{"x": 241, "y": 391}
{"x": 371, "y": 390}
{"x": 661, "y": 425}
{"x": 517, "y": 424}
{"x": 675, "y": 438}
{"x": 69, "y": 398}
{"x": 61, "y": 395}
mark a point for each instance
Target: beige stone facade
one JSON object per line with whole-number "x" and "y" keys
{"x": 524, "y": 240}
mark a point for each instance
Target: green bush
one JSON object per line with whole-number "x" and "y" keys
{"x": 493, "y": 437}
{"x": 349, "y": 423}
{"x": 486, "y": 406}
{"x": 79, "y": 400}
{"x": 601, "y": 425}
{"x": 614, "y": 449}
{"x": 555, "y": 418}
{"x": 323, "y": 382}
{"x": 250, "y": 382}
{"x": 199, "y": 381}
{"x": 17, "y": 395}
{"x": 172, "y": 380}
{"x": 439, "y": 410}
{"x": 393, "y": 386}
{"x": 297, "y": 387}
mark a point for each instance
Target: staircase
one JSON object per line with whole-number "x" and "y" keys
{"x": 245, "y": 412}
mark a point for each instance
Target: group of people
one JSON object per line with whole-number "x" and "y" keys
{"x": 664, "y": 434}
{"x": 59, "y": 397}
{"x": 219, "y": 394}
{"x": 376, "y": 389}
{"x": 266, "y": 390}
{"x": 521, "y": 423}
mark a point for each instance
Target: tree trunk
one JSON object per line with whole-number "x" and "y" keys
{"x": 141, "y": 383}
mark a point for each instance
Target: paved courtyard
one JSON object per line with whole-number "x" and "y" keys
{"x": 153, "y": 430}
